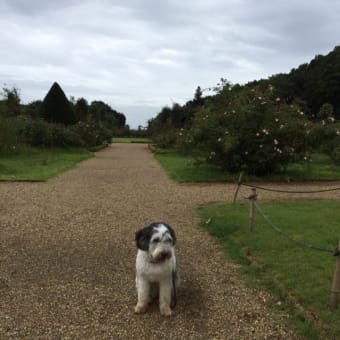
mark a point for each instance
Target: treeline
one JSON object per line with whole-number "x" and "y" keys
{"x": 57, "y": 121}
{"x": 262, "y": 126}
{"x": 311, "y": 84}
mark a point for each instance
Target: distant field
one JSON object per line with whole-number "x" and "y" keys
{"x": 130, "y": 140}
{"x": 37, "y": 164}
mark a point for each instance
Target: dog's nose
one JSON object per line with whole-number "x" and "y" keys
{"x": 165, "y": 254}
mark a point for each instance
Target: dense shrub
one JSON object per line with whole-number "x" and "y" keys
{"x": 92, "y": 133}
{"x": 8, "y": 135}
{"x": 323, "y": 136}
{"x": 36, "y": 133}
{"x": 166, "y": 139}
{"x": 41, "y": 133}
{"x": 335, "y": 155}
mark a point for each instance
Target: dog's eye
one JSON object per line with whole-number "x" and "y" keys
{"x": 155, "y": 240}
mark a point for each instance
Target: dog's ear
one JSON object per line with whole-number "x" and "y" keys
{"x": 172, "y": 233}
{"x": 143, "y": 237}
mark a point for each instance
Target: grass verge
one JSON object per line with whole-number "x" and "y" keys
{"x": 184, "y": 168}
{"x": 37, "y": 164}
{"x": 299, "y": 278}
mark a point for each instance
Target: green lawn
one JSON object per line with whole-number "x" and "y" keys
{"x": 183, "y": 168}
{"x": 130, "y": 140}
{"x": 37, "y": 164}
{"x": 299, "y": 278}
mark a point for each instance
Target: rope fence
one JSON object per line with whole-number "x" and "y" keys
{"x": 290, "y": 191}
{"x": 255, "y": 206}
{"x": 298, "y": 242}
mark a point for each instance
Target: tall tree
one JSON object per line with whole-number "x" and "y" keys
{"x": 12, "y": 101}
{"x": 56, "y": 108}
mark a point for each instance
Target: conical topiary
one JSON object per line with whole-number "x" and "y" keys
{"x": 56, "y": 108}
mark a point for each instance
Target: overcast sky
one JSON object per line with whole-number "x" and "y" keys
{"x": 141, "y": 55}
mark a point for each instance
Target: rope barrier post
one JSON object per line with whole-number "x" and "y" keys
{"x": 239, "y": 183}
{"x": 252, "y": 199}
{"x": 336, "y": 280}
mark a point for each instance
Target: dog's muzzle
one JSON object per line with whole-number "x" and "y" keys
{"x": 162, "y": 256}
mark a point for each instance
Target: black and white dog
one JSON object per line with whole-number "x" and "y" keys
{"x": 156, "y": 273}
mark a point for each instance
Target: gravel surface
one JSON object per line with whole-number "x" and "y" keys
{"x": 67, "y": 256}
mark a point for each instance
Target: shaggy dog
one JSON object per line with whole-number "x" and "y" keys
{"x": 156, "y": 273}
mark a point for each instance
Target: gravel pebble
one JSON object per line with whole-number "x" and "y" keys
{"x": 67, "y": 256}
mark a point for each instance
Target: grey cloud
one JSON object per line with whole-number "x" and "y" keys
{"x": 143, "y": 54}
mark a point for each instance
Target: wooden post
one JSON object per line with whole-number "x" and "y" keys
{"x": 252, "y": 199}
{"x": 239, "y": 182}
{"x": 336, "y": 281}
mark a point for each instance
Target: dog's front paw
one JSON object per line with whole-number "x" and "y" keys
{"x": 141, "y": 308}
{"x": 166, "y": 310}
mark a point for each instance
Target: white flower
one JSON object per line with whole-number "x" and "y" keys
{"x": 301, "y": 113}
{"x": 338, "y": 132}
{"x": 276, "y": 120}
{"x": 260, "y": 146}
{"x": 275, "y": 141}
{"x": 219, "y": 139}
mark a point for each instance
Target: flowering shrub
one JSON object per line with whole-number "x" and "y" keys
{"x": 247, "y": 129}
{"x": 92, "y": 133}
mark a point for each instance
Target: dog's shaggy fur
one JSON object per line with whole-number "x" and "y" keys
{"x": 156, "y": 272}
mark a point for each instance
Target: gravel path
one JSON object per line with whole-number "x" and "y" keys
{"x": 67, "y": 257}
